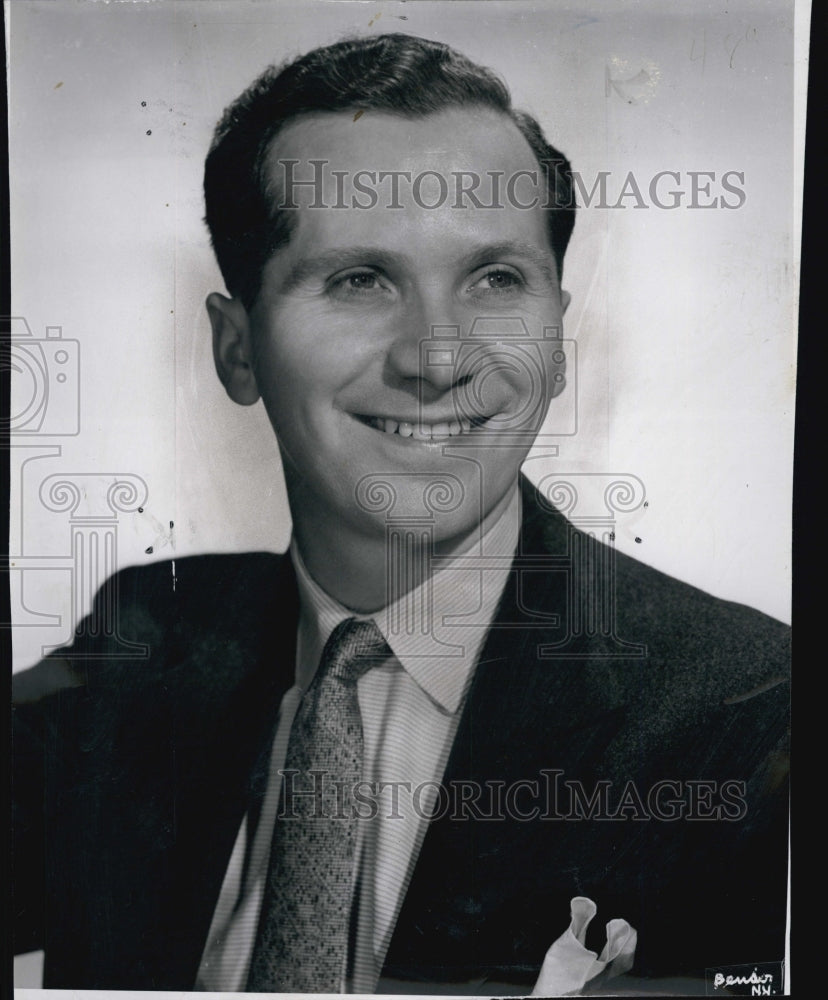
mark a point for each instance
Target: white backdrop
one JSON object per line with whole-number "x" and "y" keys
{"x": 685, "y": 318}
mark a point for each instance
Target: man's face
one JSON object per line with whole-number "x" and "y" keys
{"x": 369, "y": 398}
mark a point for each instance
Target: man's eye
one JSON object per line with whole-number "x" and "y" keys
{"x": 498, "y": 280}
{"x": 362, "y": 282}
{"x": 357, "y": 283}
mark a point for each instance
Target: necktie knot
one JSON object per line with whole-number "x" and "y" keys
{"x": 353, "y": 647}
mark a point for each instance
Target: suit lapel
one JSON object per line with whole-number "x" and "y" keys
{"x": 468, "y": 905}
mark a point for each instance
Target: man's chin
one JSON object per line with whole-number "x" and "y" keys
{"x": 443, "y": 497}
{"x": 446, "y": 512}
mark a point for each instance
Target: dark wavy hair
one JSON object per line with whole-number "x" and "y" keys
{"x": 401, "y": 74}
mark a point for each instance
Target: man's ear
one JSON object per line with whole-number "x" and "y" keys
{"x": 233, "y": 348}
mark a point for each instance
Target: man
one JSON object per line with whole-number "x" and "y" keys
{"x": 390, "y": 760}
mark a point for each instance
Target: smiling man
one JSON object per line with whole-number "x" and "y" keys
{"x": 351, "y": 338}
{"x": 396, "y": 757}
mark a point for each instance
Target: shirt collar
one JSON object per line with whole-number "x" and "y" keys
{"x": 461, "y": 597}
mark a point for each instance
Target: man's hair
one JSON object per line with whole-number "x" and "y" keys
{"x": 395, "y": 73}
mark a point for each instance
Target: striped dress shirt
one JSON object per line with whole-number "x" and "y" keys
{"x": 410, "y": 707}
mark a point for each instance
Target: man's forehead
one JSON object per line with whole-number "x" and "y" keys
{"x": 474, "y": 138}
{"x": 464, "y": 176}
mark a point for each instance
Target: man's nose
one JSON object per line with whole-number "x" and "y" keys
{"x": 426, "y": 346}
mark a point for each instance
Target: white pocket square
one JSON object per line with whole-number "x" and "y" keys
{"x": 569, "y": 965}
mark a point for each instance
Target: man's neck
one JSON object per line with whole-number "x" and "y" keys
{"x": 354, "y": 568}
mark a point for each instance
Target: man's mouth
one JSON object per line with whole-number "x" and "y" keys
{"x": 441, "y": 430}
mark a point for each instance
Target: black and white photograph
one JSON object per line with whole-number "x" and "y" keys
{"x": 401, "y": 453}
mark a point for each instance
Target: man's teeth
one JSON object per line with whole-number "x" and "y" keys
{"x": 425, "y": 432}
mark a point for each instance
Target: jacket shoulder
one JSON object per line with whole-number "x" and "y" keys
{"x": 142, "y": 614}
{"x": 660, "y": 630}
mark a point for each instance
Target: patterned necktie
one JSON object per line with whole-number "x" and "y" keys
{"x": 302, "y": 941}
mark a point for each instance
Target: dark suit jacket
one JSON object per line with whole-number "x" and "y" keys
{"x": 133, "y": 775}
